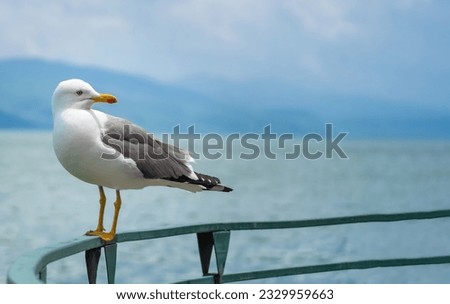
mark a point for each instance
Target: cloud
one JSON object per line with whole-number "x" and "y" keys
{"x": 223, "y": 22}
{"x": 346, "y": 46}
{"x": 75, "y": 31}
{"x": 328, "y": 20}
{"x": 166, "y": 39}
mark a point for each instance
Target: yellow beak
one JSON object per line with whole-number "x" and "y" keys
{"x": 108, "y": 98}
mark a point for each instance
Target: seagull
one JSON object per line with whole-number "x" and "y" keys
{"x": 112, "y": 152}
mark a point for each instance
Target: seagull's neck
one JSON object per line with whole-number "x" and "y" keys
{"x": 78, "y": 107}
{"x": 62, "y": 105}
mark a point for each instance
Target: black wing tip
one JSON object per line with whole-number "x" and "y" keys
{"x": 207, "y": 182}
{"x": 219, "y": 188}
{"x": 211, "y": 183}
{"x": 227, "y": 189}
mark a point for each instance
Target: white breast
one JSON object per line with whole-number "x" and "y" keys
{"x": 78, "y": 146}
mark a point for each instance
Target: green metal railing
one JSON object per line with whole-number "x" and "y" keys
{"x": 31, "y": 267}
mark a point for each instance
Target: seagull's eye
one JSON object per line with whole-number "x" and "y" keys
{"x": 79, "y": 92}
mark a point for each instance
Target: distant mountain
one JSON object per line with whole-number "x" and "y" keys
{"x": 8, "y": 121}
{"x": 26, "y": 87}
{"x": 300, "y": 109}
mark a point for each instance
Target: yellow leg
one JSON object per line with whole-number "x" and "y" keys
{"x": 101, "y": 213}
{"x": 117, "y": 205}
{"x": 110, "y": 235}
{"x": 107, "y": 236}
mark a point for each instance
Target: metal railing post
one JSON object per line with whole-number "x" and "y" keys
{"x": 92, "y": 257}
{"x": 221, "y": 244}
{"x": 205, "y": 245}
{"x": 111, "y": 260}
{"x": 43, "y": 275}
{"x": 219, "y": 240}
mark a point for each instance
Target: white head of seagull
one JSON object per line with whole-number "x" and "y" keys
{"x": 77, "y": 94}
{"x": 83, "y": 136}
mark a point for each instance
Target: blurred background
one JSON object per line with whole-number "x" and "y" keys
{"x": 377, "y": 70}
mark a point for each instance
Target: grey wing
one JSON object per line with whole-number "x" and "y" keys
{"x": 153, "y": 158}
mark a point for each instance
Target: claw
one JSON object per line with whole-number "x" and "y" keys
{"x": 106, "y": 236}
{"x": 94, "y": 232}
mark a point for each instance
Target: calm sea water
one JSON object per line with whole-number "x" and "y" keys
{"x": 41, "y": 204}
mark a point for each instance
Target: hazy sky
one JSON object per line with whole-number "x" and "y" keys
{"x": 397, "y": 49}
